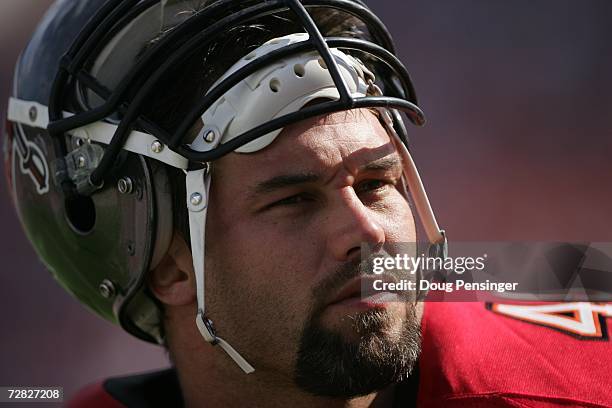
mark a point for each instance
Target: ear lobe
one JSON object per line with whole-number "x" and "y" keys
{"x": 172, "y": 281}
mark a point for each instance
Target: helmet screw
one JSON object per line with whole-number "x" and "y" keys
{"x": 33, "y": 113}
{"x": 81, "y": 161}
{"x": 196, "y": 199}
{"x": 125, "y": 185}
{"x": 107, "y": 289}
{"x": 157, "y": 146}
{"x": 131, "y": 248}
{"x": 209, "y": 137}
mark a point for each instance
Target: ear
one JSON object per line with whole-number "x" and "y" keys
{"x": 173, "y": 280}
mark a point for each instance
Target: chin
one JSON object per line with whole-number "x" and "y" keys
{"x": 354, "y": 325}
{"x": 353, "y": 345}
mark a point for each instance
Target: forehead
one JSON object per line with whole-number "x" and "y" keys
{"x": 351, "y": 138}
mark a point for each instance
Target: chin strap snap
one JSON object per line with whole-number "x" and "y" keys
{"x": 208, "y": 332}
{"x": 198, "y": 188}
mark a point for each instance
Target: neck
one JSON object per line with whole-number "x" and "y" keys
{"x": 259, "y": 390}
{"x": 210, "y": 378}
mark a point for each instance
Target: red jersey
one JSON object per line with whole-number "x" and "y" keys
{"x": 516, "y": 355}
{"x": 474, "y": 355}
{"x": 155, "y": 389}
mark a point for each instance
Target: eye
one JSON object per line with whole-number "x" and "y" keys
{"x": 371, "y": 185}
{"x": 288, "y": 201}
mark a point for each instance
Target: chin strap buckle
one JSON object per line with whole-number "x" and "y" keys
{"x": 436, "y": 250}
{"x": 205, "y": 325}
{"x": 439, "y": 249}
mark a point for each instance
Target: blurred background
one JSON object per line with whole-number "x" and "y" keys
{"x": 518, "y": 146}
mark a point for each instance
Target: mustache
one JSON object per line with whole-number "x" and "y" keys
{"x": 329, "y": 286}
{"x": 323, "y": 291}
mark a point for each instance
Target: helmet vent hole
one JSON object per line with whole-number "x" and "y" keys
{"x": 275, "y": 41}
{"x": 250, "y": 56}
{"x": 81, "y": 214}
{"x": 274, "y": 85}
{"x": 299, "y": 70}
{"x": 322, "y": 63}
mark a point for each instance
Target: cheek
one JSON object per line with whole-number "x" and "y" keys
{"x": 399, "y": 220}
{"x": 283, "y": 264}
{"x": 259, "y": 277}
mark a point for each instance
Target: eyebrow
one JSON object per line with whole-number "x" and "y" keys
{"x": 290, "y": 180}
{"x": 383, "y": 164}
{"x": 282, "y": 181}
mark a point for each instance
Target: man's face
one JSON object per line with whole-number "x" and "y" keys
{"x": 283, "y": 243}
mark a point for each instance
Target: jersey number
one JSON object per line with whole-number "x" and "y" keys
{"x": 582, "y": 319}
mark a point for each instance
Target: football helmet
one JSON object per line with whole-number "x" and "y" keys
{"x": 90, "y": 160}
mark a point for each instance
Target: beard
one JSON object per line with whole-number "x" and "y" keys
{"x": 330, "y": 364}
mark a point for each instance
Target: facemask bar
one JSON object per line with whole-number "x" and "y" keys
{"x": 73, "y": 62}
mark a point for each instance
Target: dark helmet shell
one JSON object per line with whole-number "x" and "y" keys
{"x": 97, "y": 247}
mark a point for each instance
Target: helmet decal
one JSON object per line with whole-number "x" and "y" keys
{"x": 32, "y": 161}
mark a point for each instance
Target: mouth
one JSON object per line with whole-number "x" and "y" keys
{"x": 360, "y": 293}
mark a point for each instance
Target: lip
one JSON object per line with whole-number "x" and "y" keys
{"x": 352, "y": 294}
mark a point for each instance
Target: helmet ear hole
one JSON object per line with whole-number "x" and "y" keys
{"x": 81, "y": 214}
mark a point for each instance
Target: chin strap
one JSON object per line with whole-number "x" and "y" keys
{"x": 198, "y": 188}
{"x": 436, "y": 236}
{"x": 438, "y": 244}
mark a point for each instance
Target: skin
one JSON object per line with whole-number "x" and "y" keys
{"x": 267, "y": 248}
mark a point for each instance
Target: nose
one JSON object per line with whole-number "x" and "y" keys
{"x": 351, "y": 225}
